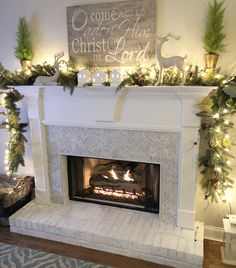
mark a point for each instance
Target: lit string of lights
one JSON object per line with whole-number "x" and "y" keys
{"x": 15, "y": 146}
{"x": 216, "y": 162}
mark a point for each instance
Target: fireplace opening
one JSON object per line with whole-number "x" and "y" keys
{"x": 134, "y": 185}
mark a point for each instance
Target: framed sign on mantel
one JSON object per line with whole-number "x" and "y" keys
{"x": 112, "y": 34}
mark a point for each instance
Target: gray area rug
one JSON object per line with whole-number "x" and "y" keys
{"x": 18, "y": 257}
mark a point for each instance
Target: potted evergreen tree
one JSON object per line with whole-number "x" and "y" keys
{"x": 24, "y": 51}
{"x": 213, "y": 37}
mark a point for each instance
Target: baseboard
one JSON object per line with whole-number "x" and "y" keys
{"x": 213, "y": 233}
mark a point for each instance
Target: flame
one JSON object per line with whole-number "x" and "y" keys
{"x": 117, "y": 193}
{"x": 112, "y": 172}
{"x": 127, "y": 177}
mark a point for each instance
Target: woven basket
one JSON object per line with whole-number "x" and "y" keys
{"x": 13, "y": 189}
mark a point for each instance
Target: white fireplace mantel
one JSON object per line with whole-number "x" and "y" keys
{"x": 156, "y": 109}
{"x": 150, "y": 108}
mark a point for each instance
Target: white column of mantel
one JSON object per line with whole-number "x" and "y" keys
{"x": 190, "y": 125}
{"x": 39, "y": 143}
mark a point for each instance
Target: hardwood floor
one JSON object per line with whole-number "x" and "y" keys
{"x": 212, "y": 255}
{"x": 212, "y": 258}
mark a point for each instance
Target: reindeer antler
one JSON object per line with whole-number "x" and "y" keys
{"x": 57, "y": 56}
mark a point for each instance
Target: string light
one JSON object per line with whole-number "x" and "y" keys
{"x": 15, "y": 146}
{"x": 219, "y": 141}
{"x": 143, "y": 69}
{"x": 3, "y": 102}
{"x": 28, "y": 72}
{"x": 218, "y": 130}
{"x": 153, "y": 74}
{"x": 218, "y": 169}
{"x": 218, "y": 76}
{"x": 216, "y": 116}
{"x": 216, "y": 112}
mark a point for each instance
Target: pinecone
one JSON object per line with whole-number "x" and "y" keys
{"x": 139, "y": 81}
{"x": 214, "y": 181}
{"x": 207, "y": 163}
{"x": 204, "y": 126}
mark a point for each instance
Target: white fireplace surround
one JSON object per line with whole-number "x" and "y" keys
{"x": 146, "y": 124}
{"x": 131, "y": 145}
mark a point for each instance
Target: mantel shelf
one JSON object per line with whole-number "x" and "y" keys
{"x": 150, "y": 108}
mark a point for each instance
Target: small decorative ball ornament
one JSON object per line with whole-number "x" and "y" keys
{"x": 83, "y": 77}
{"x": 115, "y": 77}
{"x": 99, "y": 77}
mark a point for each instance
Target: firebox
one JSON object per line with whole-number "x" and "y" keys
{"x": 129, "y": 184}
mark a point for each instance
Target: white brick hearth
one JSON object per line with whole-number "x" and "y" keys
{"x": 150, "y": 124}
{"x": 121, "y": 231}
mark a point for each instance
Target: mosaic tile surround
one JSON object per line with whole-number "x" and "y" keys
{"x": 142, "y": 146}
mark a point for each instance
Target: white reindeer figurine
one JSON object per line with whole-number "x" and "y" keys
{"x": 50, "y": 80}
{"x": 165, "y": 63}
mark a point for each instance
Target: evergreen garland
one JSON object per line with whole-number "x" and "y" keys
{"x": 140, "y": 77}
{"x": 67, "y": 79}
{"x": 172, "y": 77}
{"x": 213, "y": 36}
{"x": 24, "y": 50}
{"x": 14, "y": 155}
{"x": 216, "y": 111}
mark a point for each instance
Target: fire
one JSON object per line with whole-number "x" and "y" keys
{"x": 116, "y": 193}
{"x": 127, "y": 177}
{"x": 112, "y": 172}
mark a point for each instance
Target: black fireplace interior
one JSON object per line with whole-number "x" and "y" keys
{"x": 133, "y": 185}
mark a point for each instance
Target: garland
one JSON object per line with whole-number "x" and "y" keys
{"x": 67, "y": 78}
{"x": 15, "y": 146}
{"x": 216, "y": 111}
{"x": 140, "y": 76}
{"x": 172, "y": 77}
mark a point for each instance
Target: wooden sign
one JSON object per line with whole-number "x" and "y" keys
{"x": 112, "y": 34}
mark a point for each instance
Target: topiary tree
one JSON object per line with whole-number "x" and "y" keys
{"x": 214, "y": 36}
{"x": 23, "y": 51}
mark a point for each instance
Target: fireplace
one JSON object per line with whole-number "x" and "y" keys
{"x": 154, "y": 128}
{"x": 133, "y": 185}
